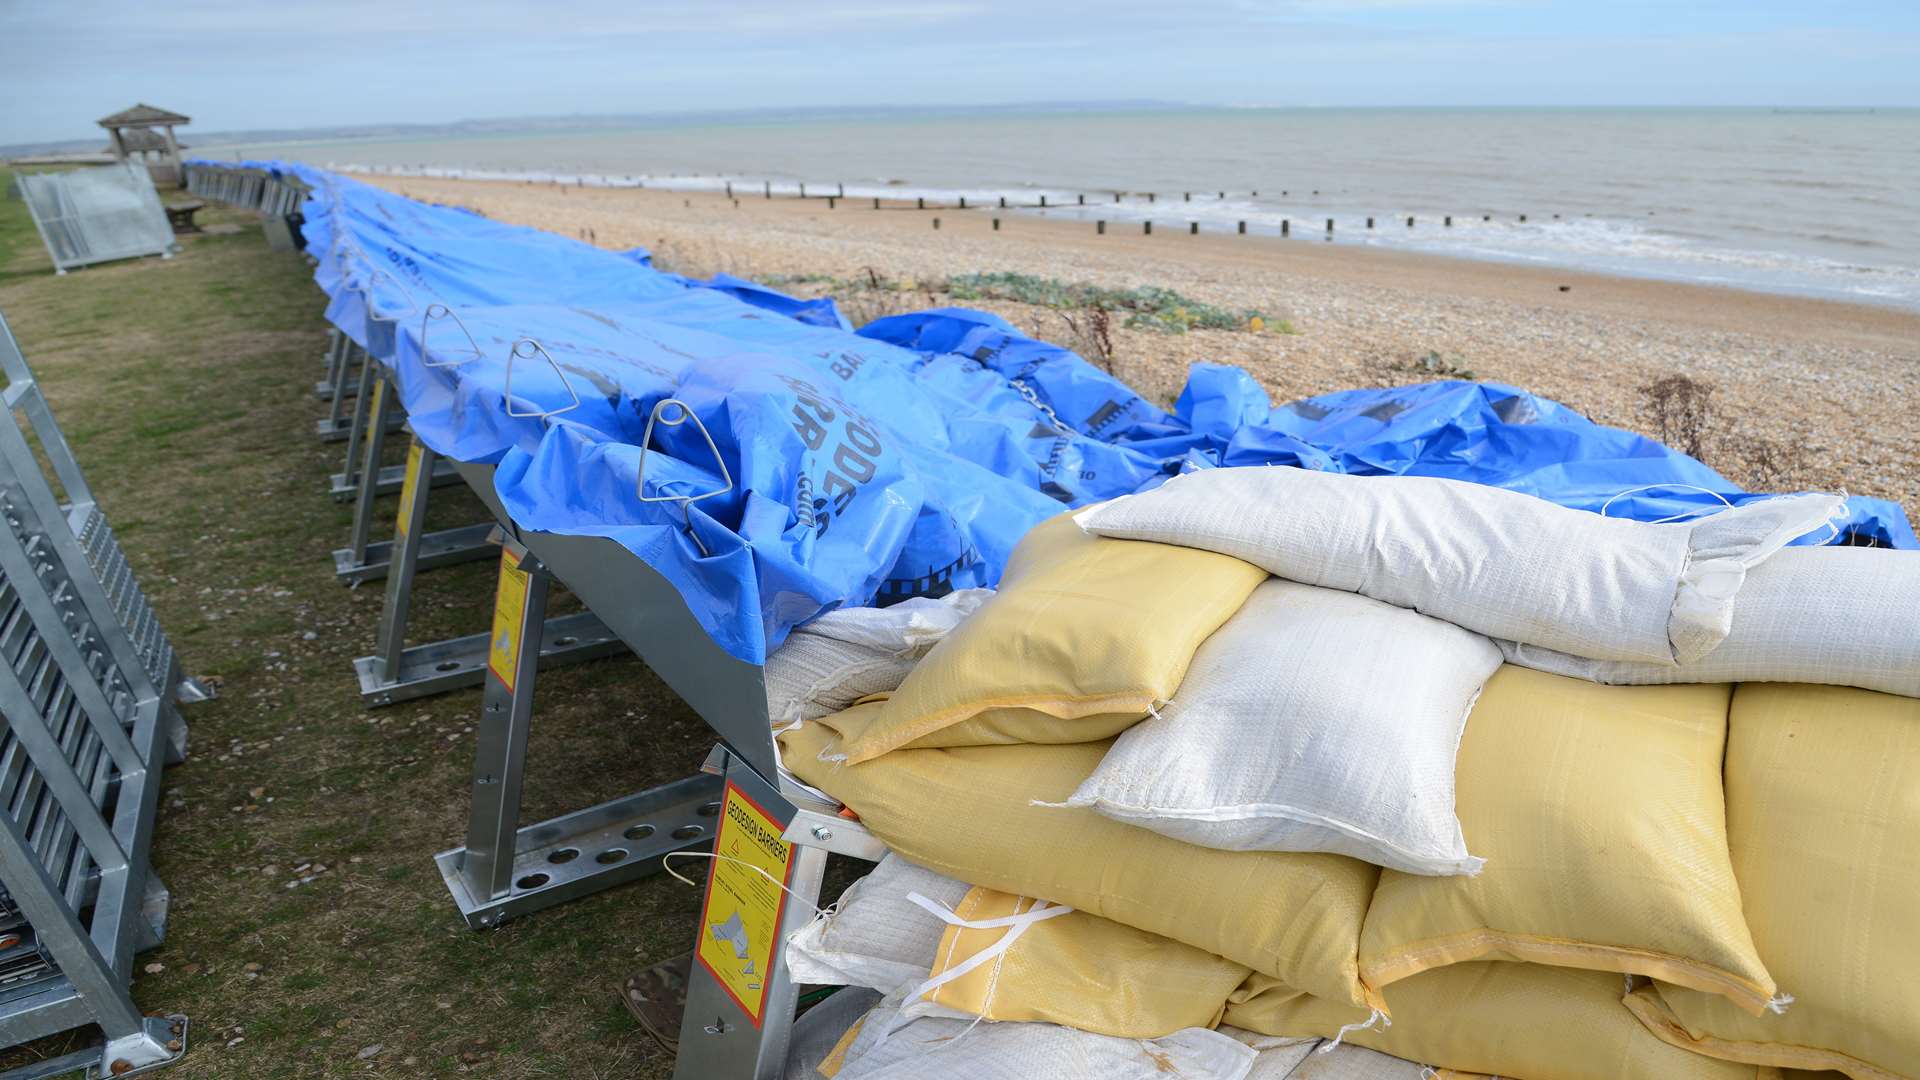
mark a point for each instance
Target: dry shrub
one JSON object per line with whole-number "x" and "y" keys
{"x": 1682, "y": 411}
{"x": 1090, "y": 333}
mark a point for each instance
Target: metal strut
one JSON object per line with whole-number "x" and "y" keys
{"x": 505, "y": 869}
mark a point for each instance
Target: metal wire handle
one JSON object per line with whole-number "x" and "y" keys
{"x": 374, "y": 274}
{"x": 658, "y": 414}
{"x": 515, "y": 354}
{"x": 442, "y": 311}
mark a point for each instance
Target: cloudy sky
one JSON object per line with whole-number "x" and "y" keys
{"x": 239, "y": 64}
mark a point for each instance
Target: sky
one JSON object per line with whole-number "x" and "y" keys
{"x": 243, "y": 64}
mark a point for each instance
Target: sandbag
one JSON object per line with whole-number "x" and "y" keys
{"x": 1823, "y": 804}
{"x": 885, "y": 1046}
{"x": 1522, "y": 1021}
{"x": 1836, "y": 615}
{"x": 1600, "y": 813}
{"x": 852, "y": 653}
{"x": 1313, "y": 720}
{"x": 1498, "y": 562}
{"x": 874, "y": 936}
{"x": 1082, "y": 638}
{"x": 968, "y": 813}
{"x": 1077, "y": 970}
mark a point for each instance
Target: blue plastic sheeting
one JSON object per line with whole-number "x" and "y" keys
{"x": 857, "y": 468}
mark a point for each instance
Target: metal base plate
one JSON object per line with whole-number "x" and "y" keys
{"x": 444, "y": 548}
{"x": 390, "y": 479}
{"x": 163, "y": 1043}
{"x": 593, "y": 849}
{"x": 440, "y": 666}
{"x": 331, "y": 430}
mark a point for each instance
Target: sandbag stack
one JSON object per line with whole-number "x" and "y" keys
{"x": 1416, "y": 765}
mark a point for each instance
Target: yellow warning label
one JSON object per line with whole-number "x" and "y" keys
{"x": 409, "y": 484}
{"x": 509, "y": 605}
{"x": 744, "y": 905}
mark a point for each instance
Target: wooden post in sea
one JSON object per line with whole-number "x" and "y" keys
{"x": 1187, "y": 196}
{"x": 1116, "y": 197}
{"x": 1286, "y": 227}
{"x": 996, "y": 224}
{"x": 1369, "y": 223}
{"x": 1409, "y": 221}
{"x": 1486, "y": 217}
{"x": 1223, "y": 194}
{"x": 876, "y": 203}
{"x": 1043, "y": 202}
{"x": 920, "y": 203}
{"x": 1329, "y": 226}
{"x": 1003, "y": 202}
{"x": 831, "y": 199}
{"x": 1100, "y": 228}
{"x": 842, "y": 193}
{"x": 963, "y": 202}
{"x": 803, "y": 190}
{"x": 1149, "y": 196}
{"x": 1523, "y": 219}
{"x": 1146, "y": 228}
{"x": 936, "y": 224}
{"x": 1243, "y": 228}
{"x": 729, "y": 189}
{"x": 1193, "y": 228}
{"x": 1083, "y": 200}
{"x": 769, "y": 189}
{"x": 1447, "y": 221}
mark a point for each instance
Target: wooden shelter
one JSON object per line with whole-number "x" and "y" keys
{"x": 144, "y": 134}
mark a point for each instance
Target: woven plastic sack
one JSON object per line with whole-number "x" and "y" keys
{"x": 852, "y": 653}
{"x": 1836, "y": 615}
{"x": 968, "y": 812}
{"x": 1077, "y": 970}
{"x": 1600, "y": 813}
{"x": 875, "y": 937}
{"x": 1823, "y": 802}
{"x": 1083, "y": 637}
{"x": 1499, "y": 1019}
{"x": 1496, "y": 561}
{"x": 887, "y": 1046}
{"x": 1313, "y": 720}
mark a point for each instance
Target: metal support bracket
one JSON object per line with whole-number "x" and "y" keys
{"x": 364, "y": 560}
{"x": 505, "y": 870}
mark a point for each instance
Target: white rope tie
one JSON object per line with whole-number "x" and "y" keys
{"x": 1374, "y": 1017}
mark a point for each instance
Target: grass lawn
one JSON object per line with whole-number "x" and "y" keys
{"x": 186, "y": 388}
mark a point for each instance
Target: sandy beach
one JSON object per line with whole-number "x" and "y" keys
{"x": 1804, "y": 393}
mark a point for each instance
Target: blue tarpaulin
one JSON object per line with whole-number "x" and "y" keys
{"x": 806, "y": 466}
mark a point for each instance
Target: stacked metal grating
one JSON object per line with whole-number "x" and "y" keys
{"x": 88, "y": 718}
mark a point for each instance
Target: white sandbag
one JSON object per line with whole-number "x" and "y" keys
{"x": 875, "y": 937}
{"x": 849, "y": 653}
{"x": 1312, "y": 720}
{"x": 888, "y": 1047}
{"x": 818, "y": 1031}
{"x": 1495, "y": 561}
{"x": 1274, "y": 1058}
{"x": 1844, "y": 616}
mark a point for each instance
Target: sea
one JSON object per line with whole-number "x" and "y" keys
{"x": 1811, "y": 202}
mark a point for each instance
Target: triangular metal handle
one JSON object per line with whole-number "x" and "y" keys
{"x": 517, "y": 353}
{"x": 442, "y": 311}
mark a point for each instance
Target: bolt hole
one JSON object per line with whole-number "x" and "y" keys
{"x": 638, "y": 832}
{"x": 688, "y": 832}
{"x": 710, "y": 809}
{"x": 565, "y": 640}
{"x": 447, "y": 665}
{"x": 564, "y": 855}
{"x": 610, "y": 856}
{"x": 532, "y": 881}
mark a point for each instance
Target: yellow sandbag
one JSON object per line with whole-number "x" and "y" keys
{"x": 1823, "y": 804}
{"x": 1524, "y": 1021}
{"x": 1080, "y": 971}
{"x": 968, "y": 813}
{"x": 1600, "y": 813}
{"x": 1084, "y": 636}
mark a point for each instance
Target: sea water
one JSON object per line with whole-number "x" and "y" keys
{"x": 1820, "y": 203}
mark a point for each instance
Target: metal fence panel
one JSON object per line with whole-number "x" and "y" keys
{"x": 95, "y": 215}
